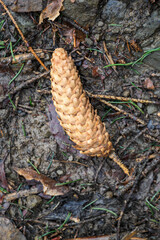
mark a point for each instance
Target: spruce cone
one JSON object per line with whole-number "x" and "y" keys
{"x": 77, "y": 116}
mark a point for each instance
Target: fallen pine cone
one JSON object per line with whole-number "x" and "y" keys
{"x": 77, "y": 116}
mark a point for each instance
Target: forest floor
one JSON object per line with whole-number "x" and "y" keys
{"x": 98, "y": 199}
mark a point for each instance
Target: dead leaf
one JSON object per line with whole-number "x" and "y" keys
{"x": 51, "y": 11}
{"x": 60, "y": 136}
{"x": 148, "y": 84}
{"x": 95, "y": 72}
{"x": 69, "y": 33}
{"x": 49, "y": 185}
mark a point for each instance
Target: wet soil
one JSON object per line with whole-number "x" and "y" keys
{"x": 26, "y": 132}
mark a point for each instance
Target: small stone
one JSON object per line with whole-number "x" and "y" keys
{"x": 59, "y": 172}
{"x": 100, "y": 24}
{"x": 9, "y": 231}
{"x": 140, "y": 105}
{"x": 97, "y": 36}
{"x": 3, "y": 114}
{"x": 157, "y": 93}
{"x": 109, "y": 194}
{"x": 33, "y": 201}
{"x": 70, "y": 158}
{"x": 151, "y": 109}
{"x": 89, "y": 41}
{"x": 126, "y": 93}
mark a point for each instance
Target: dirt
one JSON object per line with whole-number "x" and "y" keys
{"x": 26, "y": 132}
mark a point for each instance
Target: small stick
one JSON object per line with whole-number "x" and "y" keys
{"x": 149, "y": 168}
{"x": 122, "y": 98}
{"x": 21, "y": 57}
{"x": 133, "y": 140}
{"x": 88, "y": 59}
{"x": 124, "y": 112}
{"x": 24, "y": 39}
{"x": 152, "y": 138}
{"x": 23, "y": 193}
{"x": 128, "y": 198}
{"x": 109, "y": 56}
{"x": 99, "y": 169}
{"x": 112, "y": 155}
{"x": 43, "y": 91}
{"x": 73, "y": 23}
{"x": 23, "y": 85}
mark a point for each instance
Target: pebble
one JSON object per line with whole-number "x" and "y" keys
{"x": 151, "y": 109}
{"x": 109, "y": 194}
{"x": 97, "y": 36}
{"x": 140, "y": 105}
{"x": 33, "y": 201}
{"x": 59, "y": 172}
{"x": 126, "y": 93}
{"x": 3, "y": 114}
{"x": 70, "y": 158}
{"x": 89, "y": 41}
{"x": 9, "y": 231}
{"x": 100, "y": 24}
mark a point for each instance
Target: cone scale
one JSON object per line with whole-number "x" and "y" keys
{"x": 76, "y": 115}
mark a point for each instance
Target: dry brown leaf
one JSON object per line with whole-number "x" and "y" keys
{"x": 49, "y": 185}
{"x": 51, "y": 11}
{"x": 149, "y": 84}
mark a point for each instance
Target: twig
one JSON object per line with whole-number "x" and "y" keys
{"x": 43, "y": 91}
{"x": 133, "y": 140}
{"x": 109, "y": 56}
{"x": 99, "y": 169}
{"x": 122, "y": 98}
{"x": 73, "y": 23}
{"x": 52, "y": 224}
{"x": 21, "y": 57}
{"x": 24, "y": 39}
{"x": 124, "y": 112}
{"x": 23, "y": 85}
{"x": 23, "y": 193}
{"x": 149, "y": 168}
{"x": 72, "y": 162}
{"x": 128, "y": 198}
{"x": 88, "y": 59}
{"x": 152, "y": 138}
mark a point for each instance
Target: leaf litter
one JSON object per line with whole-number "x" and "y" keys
{"x": 49, "y": 185}
{"x": 52, "y": 10}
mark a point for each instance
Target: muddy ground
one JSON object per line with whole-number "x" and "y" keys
{"x": 28, "y": 137}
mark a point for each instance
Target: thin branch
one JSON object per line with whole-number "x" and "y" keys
{"x": 23, "y": 85}
{"x": 124, "y": 112}
{"x": 122, "y": 98}
{"x": 24, "y": 39}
